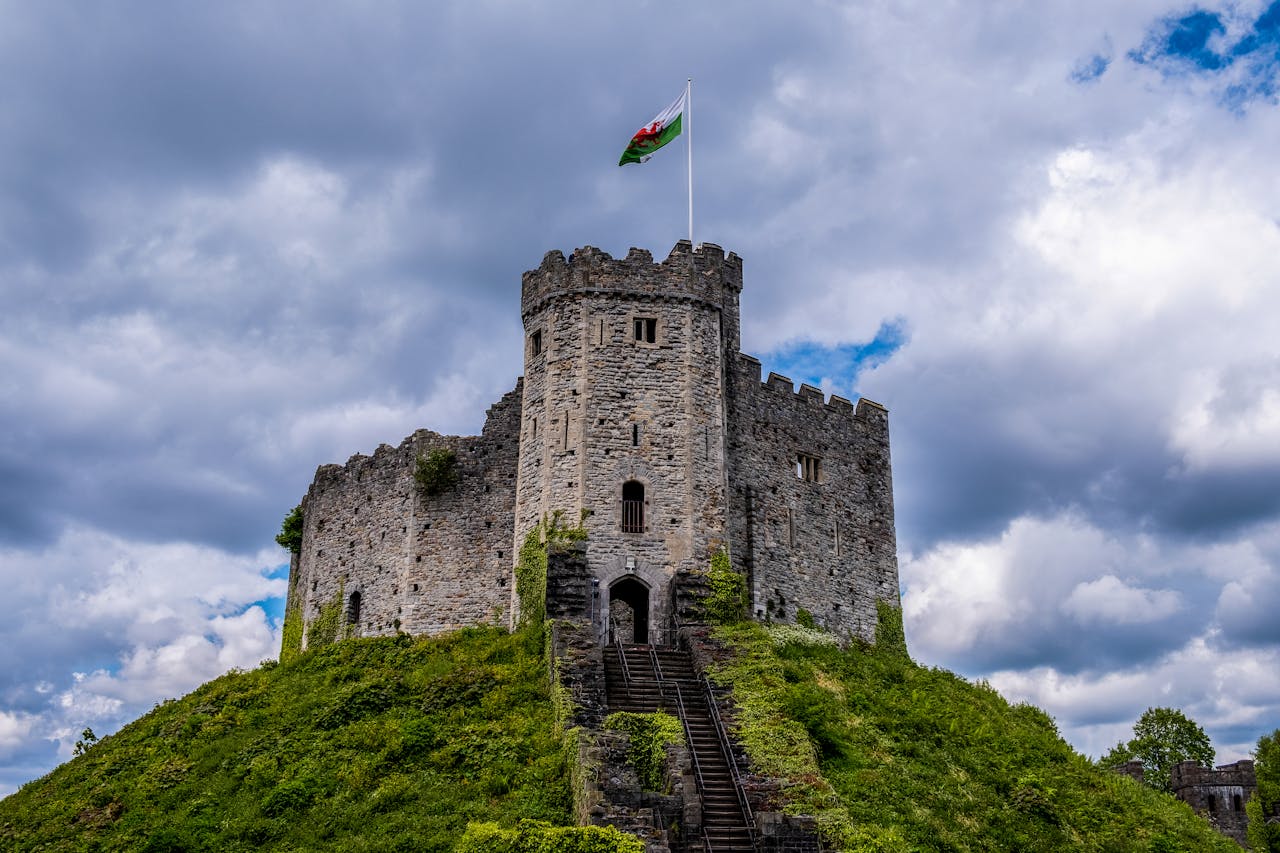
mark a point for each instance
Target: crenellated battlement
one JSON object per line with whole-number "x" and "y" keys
{"x": 782, "y": 389}
{"x": 705, "y": 274}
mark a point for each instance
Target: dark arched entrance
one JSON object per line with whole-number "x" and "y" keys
{"x": 629, "y": 611}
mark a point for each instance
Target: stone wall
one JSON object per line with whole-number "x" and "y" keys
{"x": 672, "y": 406}
{"x": 1218, "y": 795}
{"x": 604, "y": 405}
{"x": 826, "y": 545}
{"x": 418, "y": 564}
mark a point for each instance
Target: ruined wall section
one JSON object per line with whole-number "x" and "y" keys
{"x": 826, "y": 546}
{"x": 419, "y": 564}
{"x": 602, "y": 407}
{"x": 1218, "y": 795}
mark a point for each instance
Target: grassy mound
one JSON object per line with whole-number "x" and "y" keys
{"x": 367, "y": 745}
{"x": 895, "y": 757}
{"x": 449, "y": 744}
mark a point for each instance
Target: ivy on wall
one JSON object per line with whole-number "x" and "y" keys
{"x": 550, "y": 534}
{"x": 531, "y": 579}
{"x": 324, "y": 629}
{"x": 889, "y": 634}
{"x": 291, "y": 632}
{"x": 727, "y": 602}
{"x": 650, "y": 734}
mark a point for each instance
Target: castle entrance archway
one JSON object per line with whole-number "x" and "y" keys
{"x": 629, "y": 611}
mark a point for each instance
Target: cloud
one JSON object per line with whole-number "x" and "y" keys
{"x": 153, "y": 621}
{"x": 233, "y": 249}
{"x": 1109, "y": 600}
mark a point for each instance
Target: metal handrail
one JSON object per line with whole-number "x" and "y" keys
{"x": 723, "y": 733}
{"x": 657, "y": 667}
{"x": 693, "y": 752}
{"x": 626, "y": 670}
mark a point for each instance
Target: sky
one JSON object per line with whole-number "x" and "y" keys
{"x": 244, "y": 239}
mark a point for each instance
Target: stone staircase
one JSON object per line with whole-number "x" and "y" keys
{"x": 645, "y": 679}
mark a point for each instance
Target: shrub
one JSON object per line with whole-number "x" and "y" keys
{"x": 290, "y": 535}
{"x": 436, "y": 471}
{"x": 650, "y": 734}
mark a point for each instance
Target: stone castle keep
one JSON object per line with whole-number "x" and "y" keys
{"x": 637, "y": 408}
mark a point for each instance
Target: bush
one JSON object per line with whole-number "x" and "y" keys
{"x": 436, "y": 471}
{"x": 650, "y": 734}
{"x": 290, "y": 535}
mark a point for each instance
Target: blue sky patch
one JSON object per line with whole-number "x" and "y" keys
{"x": 835, "y": 368}
{"x": 1184, "y": 39}
{"x": 1091, "y": 68}
{"x": 1195, "y": 43}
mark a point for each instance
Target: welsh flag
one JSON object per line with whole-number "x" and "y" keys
{"x": 657, "y": 133}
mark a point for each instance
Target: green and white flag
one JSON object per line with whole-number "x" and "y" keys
{"x": 665, "y": 127}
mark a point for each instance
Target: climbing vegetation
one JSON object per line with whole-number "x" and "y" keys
{"x": 890, "y": 638}
{"x": 726, "y": 604}
{"x": 550, "y": 534}
{"x": 650, "y": 735}
{"x": 291, "y": 631}
{"x": 436, "y": 471}
{"x": 325, "y": 627}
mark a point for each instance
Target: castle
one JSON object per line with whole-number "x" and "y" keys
{"x": 638, "y": 413}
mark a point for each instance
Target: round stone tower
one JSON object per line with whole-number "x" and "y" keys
{"x": 623, "y": 417}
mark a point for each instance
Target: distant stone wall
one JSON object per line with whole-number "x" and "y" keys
{"x": 417, "y": 564}
{"x": 1219, "y": 795}
{"x": 826, "y": 545}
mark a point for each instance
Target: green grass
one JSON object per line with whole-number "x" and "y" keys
{"x": 365, "y": 745}
{"x": 895, "y": 756}
{"x": 450, "y": 744}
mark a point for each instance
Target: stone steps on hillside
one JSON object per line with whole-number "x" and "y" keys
{"x": 648, "y": 682}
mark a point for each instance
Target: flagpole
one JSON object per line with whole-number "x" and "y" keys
{"x": 688, "y": 144}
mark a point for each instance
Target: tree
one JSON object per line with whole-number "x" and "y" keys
{"x": 1162, "y": 737}
{"x": 1264, "y": 837}
{"x": 290, "y": 535}
{"x": 87, "y": 740}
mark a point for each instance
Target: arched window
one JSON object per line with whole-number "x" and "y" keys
{"x": 353, "y": 609}
{"x": 632, "y": 507}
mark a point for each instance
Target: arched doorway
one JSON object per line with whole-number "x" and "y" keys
{"x": 629, "y": 611}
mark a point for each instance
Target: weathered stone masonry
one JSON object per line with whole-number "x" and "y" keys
{"x": 637, "y": 408}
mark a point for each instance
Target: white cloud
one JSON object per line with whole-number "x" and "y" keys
{"x": 1109, "y": 599}
{"x": 15, "y": 729}
{"x": 1223, "y": 691}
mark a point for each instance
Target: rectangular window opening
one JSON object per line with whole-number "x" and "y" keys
{"x": 535, "y": 343}
{"x": 808, "y": 468}
{"x": 647, "y": 329}
{"x": 635, "y": 435}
